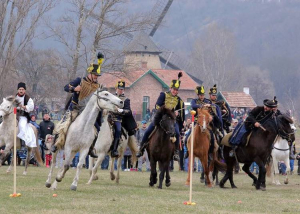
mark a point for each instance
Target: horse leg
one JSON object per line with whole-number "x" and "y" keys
{"x": 68, "y": 158}
{"x": 82, "y": 156}
{"x": 11, "y": 164}
{"x": 187, "y": 182}
{"x": 261, "y": 182}
{"x": 246, "y": 168}
{"x": 53, "y": 162}
{"x": 29, "y": 151}
{"x": 163, "y": 168}
{"x": 215, "y": 175}
{"x": 230, "y": 162}
{"x": 119, "y": 167}
{"x": 93, "y": 171}
{"x": 153, "y": 175}
{"x": 288, "y": 169}
{"x": 112, "y": 167}
{"x": 168, "y": 178}
{"x": 204, "y": 160}
{"x": 202, "y": 179}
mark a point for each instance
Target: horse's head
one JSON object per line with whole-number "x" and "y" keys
{"x": 204, "y": 118}
{"x": 285, "y": 128}
{"x": 165, "y": 118}
{"x": 7, "y": 106}
{"x": 106, "y": 100}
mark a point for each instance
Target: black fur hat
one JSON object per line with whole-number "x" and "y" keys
{"x": 21, "y": 85}
{"x": 271, "y": 103}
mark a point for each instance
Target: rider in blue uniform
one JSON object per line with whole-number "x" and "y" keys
{"x": 200, "y": 102}
{"x": 172, "y": 101}
{"x": 82, "y": 88}
{"x": 123, "y": 118}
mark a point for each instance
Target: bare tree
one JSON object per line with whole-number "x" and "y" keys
{"x": 83, "y": 36}
{"x": 216, "y": 59}
{"x": 18, "y": 22}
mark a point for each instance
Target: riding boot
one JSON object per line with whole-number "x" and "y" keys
{"x": 114, "y": 151}
{"x": 91, "y": 150}
{"x": 140, "y": 153}
{"x": 176, "y": 155}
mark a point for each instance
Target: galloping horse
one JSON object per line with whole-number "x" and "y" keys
{"x": 7, "y": 134}
{"x": 102, "y": 146}
{"x": 161, "y": 145}
{"x": 258, "y": 150}
{"x": 81, "y": 133}
{"x": 201, "y": 145}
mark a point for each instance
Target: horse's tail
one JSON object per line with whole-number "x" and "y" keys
{"x": 38, "y": 154}
{"x": 132, "y": 144}
{"x": 269, "y": 167}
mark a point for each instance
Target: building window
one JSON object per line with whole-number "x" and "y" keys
{"x": 146, "y": 104}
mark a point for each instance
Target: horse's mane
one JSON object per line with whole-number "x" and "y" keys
{"x": 285, "y": 117}
{"x": 161, "y": 112}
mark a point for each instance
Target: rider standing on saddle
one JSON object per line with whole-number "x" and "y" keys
{"x": 223, "y": 106}
{"x": 172, "y": 101}
{"x": 25, "y": 105}
{"x": 123, "y": 118}
{"x": 200, "y": 102}
{"x": 82, "y": 88}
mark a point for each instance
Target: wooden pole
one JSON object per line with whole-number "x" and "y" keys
{"x": 15, "y": 151}
{"x": 191, "y": 160}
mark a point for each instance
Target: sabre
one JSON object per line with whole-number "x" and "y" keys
{"x": 260, "y": 126}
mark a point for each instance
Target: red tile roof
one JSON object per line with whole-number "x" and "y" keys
{"x": 110, "y": 79}
{"x": 238, "y": 99}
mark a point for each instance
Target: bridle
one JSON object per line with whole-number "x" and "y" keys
{"x": 7, "y": 112}
{"x": 166, "y": 131}
{"x": 283, "y": 134}
{"x": 204, "y": 125}
{"x": 102, "y": 98}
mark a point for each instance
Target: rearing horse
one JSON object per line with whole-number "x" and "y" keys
{"x": 161, "y": 145}
{"x": 258, "y": 150}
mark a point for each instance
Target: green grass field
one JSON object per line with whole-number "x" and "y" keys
{"x": 133, "y": 195}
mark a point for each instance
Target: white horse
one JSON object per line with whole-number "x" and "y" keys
{"x": 81, "y": 133}
{"x": 103, "y": 143}
{"x": 7, "y": 134}
{"x": 280, "y": 152}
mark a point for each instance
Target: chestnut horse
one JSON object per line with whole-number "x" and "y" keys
{"x": 258, "y": 149}
{"x": 161, "y": 145}
{"x": 201, "y": 145}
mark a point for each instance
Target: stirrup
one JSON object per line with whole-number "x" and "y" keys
{"x": 114, "y": 154}
{"x": 53, "y": 148}
{"x": 139, "y": 154}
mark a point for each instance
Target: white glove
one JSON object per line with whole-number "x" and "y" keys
{"x": 120, "y": 110}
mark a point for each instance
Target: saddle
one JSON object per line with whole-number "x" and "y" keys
{"x": 244, "y": 142}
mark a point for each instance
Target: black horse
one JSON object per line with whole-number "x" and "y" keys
{"x": 161, "y": 145}
{"x": 258, "y": 150}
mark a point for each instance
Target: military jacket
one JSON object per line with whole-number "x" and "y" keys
{"x": 258, "y": 114}
{"x": 70, "y": 88}
{"x": 174, "y": 103}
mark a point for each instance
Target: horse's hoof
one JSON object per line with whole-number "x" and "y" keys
{"x": 221, "y": 185}
{"x": 7, "y": 172}
{"x": 187, "y": 183}
{"x": 217, "y": 183}
{"x": 263, "y": 188}
{"x": 234, "y": 187}
{"x": 112, "y": 177}
{"x": 286, "y": 181}
{"x": 159, "y": 187}
{"x": 151, "y": 184}
{"x": 24, "y": 173}
{"x": 168, "y": 184}
{"x": 58, "y": 179}
{"x": 48, "y": 185}
{"x": 202, "y": 180}
{"x": 117, "y": 181}
{"x": 73, "y": 187}
{"x": 95, "y": 178}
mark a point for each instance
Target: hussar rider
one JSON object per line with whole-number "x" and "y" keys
{"x": 123, "y": 118}
{"x": 172, "y": 101}
{"x": 25, "y": 106}
{"x": 82, "y": 88}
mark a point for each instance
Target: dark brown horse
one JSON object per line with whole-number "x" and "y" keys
{"x": 202, "y": 144}
{"x": 161, "y": 145}
{"x": 258, "y": 150}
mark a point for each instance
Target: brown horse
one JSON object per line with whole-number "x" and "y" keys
{"x": 161, "y": 145}
{"x": 201, "y": 145}
{"x": 258, "y": 149}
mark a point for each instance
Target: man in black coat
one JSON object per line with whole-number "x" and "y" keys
{"x": 123, "y": 118}
{"x": 46, "y": 127}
